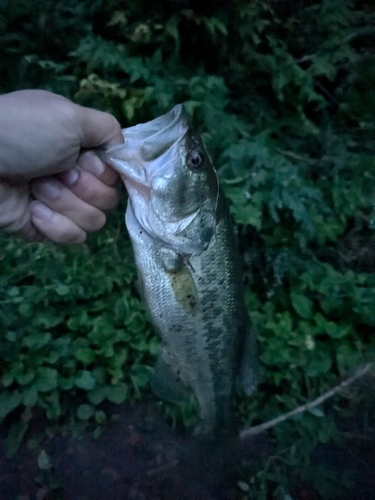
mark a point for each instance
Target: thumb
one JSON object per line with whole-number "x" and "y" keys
{"x": 98, "y": 128}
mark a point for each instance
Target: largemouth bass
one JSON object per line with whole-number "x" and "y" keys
{"x": 188, "y": 265}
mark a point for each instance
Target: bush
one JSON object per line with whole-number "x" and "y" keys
{"x": 291, "y": 85}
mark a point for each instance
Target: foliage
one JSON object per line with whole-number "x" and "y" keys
{"x": 282, "y": 93}
{"x": 71, "y": 324}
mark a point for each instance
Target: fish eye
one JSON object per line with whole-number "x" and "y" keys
{"x": 194, "y": 159}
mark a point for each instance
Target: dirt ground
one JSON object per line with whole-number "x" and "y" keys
{"x": 139, "y": 457}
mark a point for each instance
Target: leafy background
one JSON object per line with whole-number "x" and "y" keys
{"x": 283, "y": 93}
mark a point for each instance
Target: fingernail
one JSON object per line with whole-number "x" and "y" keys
{"x": 40, "y": 211}
{"x": 49, "y": 189}
{"x": 70, "y": 177}
{"x": 90, "y": 162}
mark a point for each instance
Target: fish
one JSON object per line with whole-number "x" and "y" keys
{"x": 188, "y": 266}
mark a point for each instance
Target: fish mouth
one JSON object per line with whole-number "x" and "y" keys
{"x": 145, "y": 143}
{"x": 158, "y": 135}
{"x": 152, "y": 130}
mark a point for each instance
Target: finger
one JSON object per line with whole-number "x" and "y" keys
{"x": 14, "y": 201}
{"x": 55, "y": 226}
{"x": 29, "y": 232}
{"x": 90, "y": 189}
{"x": 98, "y": 128}
{"x": 52, "y": 193}
{"x": 14, "y": 212}
{"x": 90, "y": 162}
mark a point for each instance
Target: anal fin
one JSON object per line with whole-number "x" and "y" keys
{"x": 167, "y": 384}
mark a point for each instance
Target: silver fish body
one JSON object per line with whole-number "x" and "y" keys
{"x": 189, "y": 267}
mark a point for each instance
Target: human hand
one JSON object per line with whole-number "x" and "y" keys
{"x": 44, "y": 154}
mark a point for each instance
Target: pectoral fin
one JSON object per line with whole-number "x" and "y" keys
{"x": 185, "y": 290}
{"x": 180, "y": 275}
{"x": 248, "y": 375}
{"x": 167, "y": 384}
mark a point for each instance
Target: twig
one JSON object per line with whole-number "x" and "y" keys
{"x": 257, "y": 429}
{"x": 295, "y": 156}
{"x": 303, "y": 59}
{"x": 162, "y": 468}
{"x": 355, "y": 34}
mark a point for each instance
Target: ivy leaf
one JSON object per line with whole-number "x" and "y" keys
{"x": 45, "y": 379}
{"x": 323, "y": 66}
{"x": 85, "y": 355}
{"x": 100, "y": 417}
{"x": 30, "y": 396}
{"x": 337, "y": 331}
{"x": 26, "y": 309}
{"x": 347, "y": 357}
{"x": 116, "y": 393}
{"x": 97, "y": 395}
{"x": 316, "y": 411}
{"x": 9, "y": 401}
{"x": 36, "y": 340}
{"x": 85, "y": 380}
{"x": 319, "y": 364}
{"x": 62, "y": 289}
{"x": 301, "y": 304}
{"x": 84, "y": 412}
{"x": 44, "y": 460}
{"x": 15, "y": 437}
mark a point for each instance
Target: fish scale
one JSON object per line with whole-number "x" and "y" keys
{"x": 189, "y": 268}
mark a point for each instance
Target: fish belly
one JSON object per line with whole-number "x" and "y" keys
{"x": 197, "y": 307}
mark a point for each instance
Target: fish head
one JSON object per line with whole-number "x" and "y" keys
{"x": 172, "y": 184}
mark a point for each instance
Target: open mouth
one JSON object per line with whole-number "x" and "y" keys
{"x": 154, "y": 138}
{"x": 144, "y": 143}
{"x": 155, "y": 128}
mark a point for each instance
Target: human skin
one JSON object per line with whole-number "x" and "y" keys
{"x": 52, "y": 187}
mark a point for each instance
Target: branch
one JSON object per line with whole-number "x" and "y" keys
{"x": 303, "y": 59}
{"x": 355, "y": 34}
{"x": 257, "y": 429}
{"x": 295, "y": 156}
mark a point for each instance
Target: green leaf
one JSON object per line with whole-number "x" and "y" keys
{"x": 11, "y": 336}
{"x": 85, "y": 380}
{"x": 7, "y": 379}
{"x": 36, "y": 340}
{"x": 26, "y": 309}
{"x": 66, "y": 384}
{"x": 316, "y": 411}
{"x": 62, "y": 289}
{"x": 100, "y": 417}
{"x": 301, "y": 304}
{"x": 140, "y": 375}
{"x": 30, "y": 396}
{"x": 347, "y": 357}
{"x": 116, "y": 393}
{"x": 84, "y": 412}
{"x": 44, "y": 460}
{"x": 97, "y": 395}
{"x": 9, "y": 401}
{"x": 15, "y": 437}
{"x": 45, "y": 379}
{"x": 323, "y": 66}
{"x": 85, "y": 355}
{"x": 25, "y": 378}
{"x": 337, "y": 331}
{"x": 319, "y": 364}
{"x": 98, "y": 431}
{"x": 327, "y": 430}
